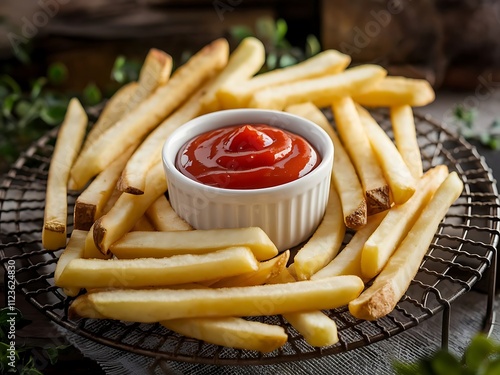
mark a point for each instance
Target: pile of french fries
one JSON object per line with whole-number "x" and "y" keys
{"x": 130, "y": 257}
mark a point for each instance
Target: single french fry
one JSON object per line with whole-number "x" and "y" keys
{"x": 91, "y": 251}
{"x": 282, "y": 278}
{"x": 149, "y": 113}
{"x": 267, "y": 270}
{"x": 394, "y": 91}
{"x": 143, "y": 225}
{"x": 145, "y": 272}
{"x": 244, "y": 62}
{"x": 115, "y": 194}
{"x": 396, "y": 172}
{"x": 112, "y": 112}
{"x": 391, "y": 284}
{"x": 344, "y": 177}
{"x": 153, "y": 305}
{"x": 379, "y": 247}
{"x": 317, "y": 328}
{"x": 405, "y": 137}
{"x": 164, "y": 244}
{"x": 164, "y": 218}
{"x": 320, "y": 91}
{"x": 325, "y": 242}
{"x": 90, "y": 203}
{"x": 127, "y": 210}
{"x": 68, "y": 143}
{"x": 348, "y": 261}
{"x": 324, "y": 63}
{"x": 231, "y": 332}
{"x": 74, "y": 250}
{"x": 358, "y": 147}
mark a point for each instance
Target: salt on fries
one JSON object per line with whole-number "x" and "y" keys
{"x": 139, "y": 261}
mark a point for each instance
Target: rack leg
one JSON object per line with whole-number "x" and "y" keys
{"x": 489, "y": 319}
{"x": 445, "y": 328}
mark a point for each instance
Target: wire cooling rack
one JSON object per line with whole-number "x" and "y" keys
{"x": 464, "y": 247}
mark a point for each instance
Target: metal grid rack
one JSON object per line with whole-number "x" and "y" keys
{"x": 464, "y": 247}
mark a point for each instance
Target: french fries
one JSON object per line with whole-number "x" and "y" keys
{"x": 164, "y": 218}
{"x": 317, "y": 328}
{"x": 74, "y": 250}
{"x": 154, "y": 305}
{"x": 68, "y": 144}
{"x": 91, "y": 251}
{"x": 147, "y": 115}
{"x": 325, "y": 242}
{"x": 394, "y": 91}
{"x": 391, "y": 284}
{"x": 147, "y": 272}
{"x": 344, "y": 175}
{"x": 164, "y": 244}
{"x": 127, "y": 211}
{"x": 358, "y": 147}
{"x": 324, "y": 63}
{"x": 320, "y": 91}
{"x": 395, "y": 170}
{"x": 379, "y": 247}
{"x": 405, "y": 137}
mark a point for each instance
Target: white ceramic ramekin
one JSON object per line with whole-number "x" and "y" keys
{"x": 288, "y": 213}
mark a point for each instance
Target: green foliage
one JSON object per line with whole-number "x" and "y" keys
{"x": 481, "y": 357}
{"x": 465, "y": 119}
{"x": 24, "y": 360}
{"x": 125, "y": 70}
{"x": 279, "y": 52}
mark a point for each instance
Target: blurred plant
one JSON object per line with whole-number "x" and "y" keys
{"x": 481, "y": 357}
{"x": 25, "y": 362}
{"x": 279, "y": 52}
{"x": 465, "y": 119}
{"x": 125, "y": 70}
{"x": 27, "y": 114}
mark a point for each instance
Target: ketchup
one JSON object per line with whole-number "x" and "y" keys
{"x": 249, "y": 156}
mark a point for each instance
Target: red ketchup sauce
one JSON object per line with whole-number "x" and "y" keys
{"x": 250, "y": 156}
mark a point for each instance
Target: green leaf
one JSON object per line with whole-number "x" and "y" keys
{"x": 281, "y": 30}
{"x": 407, "y": 368}
{"x": 37, "y": 87}
{"x": 287, "y": 60}
{"x": 444, "y": 363}
{"x": 53, "y": 115}
{"x": 118, "y": 73}
{"x": 265, "y": 29}
{"x": 57, "y": 73}
{"x": 313, "y": 47}
{"x": 271, "y": 61}
{"x": 8, "y": 104}
{"x": 478, "y": 352}
{"x": 492, "y": 368}
{"x": 29, "y": 368}
{"x": 10, "y": 82}
{"x": 22, "y": 108}
{"x": 4, "y": 91}
{"x": 92, "y": 94}
{"x": 494, "y": 143}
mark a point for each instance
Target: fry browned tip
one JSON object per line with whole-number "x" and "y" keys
{"x": 378, "y": 200}
{"x": 377, "y": 306}
{"x": 84, "y": 215}
{"x": 124, "y": 187}
{"x": 357, "y": 219}
{"x": 98, "y": 233}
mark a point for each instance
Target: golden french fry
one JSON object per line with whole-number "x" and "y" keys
{"x": 68, "y": 143}
{"x": 145, "y": 272}
{"x": 317, "y": 328}
{"x": 405, "y": 137}
{"x": 390, "y": 285}
{"x": 231, "y": 332}
{"x": 267, "y": 270}
{"x": 396, "y": 172}
{"x": 91, "y": 251}
{"x": 74, "y": 250}
{"x": 164, "y": 244}
{"x": 127, "y": 210}
{"x": 348, "y": 261}
{"x": 324, "y": 63}
{"x": 360, "y": 151}
{"x": 153, "y": 305}
{"x": 344, "y": 177}
{"x": 143, "y": 225}
{"x": 147, "y": 115}
{"x": 282, "y": 278}
{"x": 244, "y": 62}
{"x": 320, "y": 91}
{"x": 325, "y": 242}
{"x": 393, "y": 91}
{"x": 164, "y": 218}
{"x": 90, "y": 203}
{"x": 379, "y": 247}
